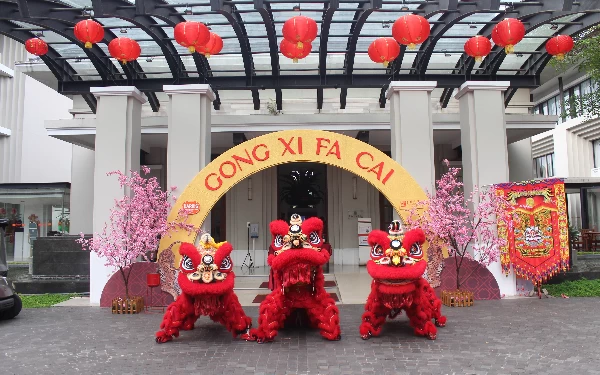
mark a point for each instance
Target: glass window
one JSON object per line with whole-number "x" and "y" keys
{"x": 545, "y": 108}
{"x": 536, "y": 110}
{"x": 552, "y": 106}
{"x": 596, "y": 146}
{"x": 544, "y": 166}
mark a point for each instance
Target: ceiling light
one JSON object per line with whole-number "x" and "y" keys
{"x": 472, "y": 25}
{"x": 385, "y": 24}
{"x": 519, "y": 55}
{"x": 123, "y": 30}
{"x": 446, "y": 53}
{"x": 404, "y": 7}
{"x": 78, "y": 59}
{"x": 554, "y": 27}
{"x": 296, "y": 8}
{"x": 188, "y": 11}
{"x": 39, "y": 34}
{"x": 149, "y": 59}
{"x": 86, "y": 12}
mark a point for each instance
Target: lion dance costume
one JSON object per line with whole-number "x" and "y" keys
{"x": 206, "y": 283}
{"x": 397, "y": 266}
{"x": 299, "y": 282}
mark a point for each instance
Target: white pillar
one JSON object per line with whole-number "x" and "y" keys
{"x": 412, "y": 130}
{"x": 189, "y": 142}
{"x": 118, "y": 136}
{"x": 484, "y": 148}
{"x": 82, "y": 191}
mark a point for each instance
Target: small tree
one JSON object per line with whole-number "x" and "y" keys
{"x": 137, "y": 222}
{"x": 449, "y": 222}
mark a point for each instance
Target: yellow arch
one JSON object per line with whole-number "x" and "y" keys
{"x": 290, "y": 146}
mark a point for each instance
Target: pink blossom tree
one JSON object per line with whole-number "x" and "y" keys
{"x": 452, "y": 221}
{"x": 137, "y": 221}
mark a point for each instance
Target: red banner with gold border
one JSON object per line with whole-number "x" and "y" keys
{"x": 535, "y": 229}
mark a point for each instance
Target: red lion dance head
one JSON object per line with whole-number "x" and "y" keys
{"x": 299, "y": 282}
{"x": 206, "y": 283}
{"x": 206, "y": 269}
{"x": 297, "y": 250}
{"x": 397, "y": 267}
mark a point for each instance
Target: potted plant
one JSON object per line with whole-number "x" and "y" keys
{"x": 136, "y": 223}
{"x": 300, "y": 189}
{"x": 449, "y": 222}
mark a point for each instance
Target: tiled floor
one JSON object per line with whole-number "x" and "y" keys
{"x": 523, "y": 336}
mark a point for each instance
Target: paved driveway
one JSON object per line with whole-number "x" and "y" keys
{"x": 549, "y": 336}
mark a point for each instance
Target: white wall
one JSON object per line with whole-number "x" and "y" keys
{"x": 520, "y": 164}
{"x": 82, "y": 191}
{"x": 44, "y": 159}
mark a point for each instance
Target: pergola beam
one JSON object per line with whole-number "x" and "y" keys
{"x": 328, "y": 11}
{"x": 301, "y": 82}
{"x": 264, "y": 9}
{"x": 360, "y": 17}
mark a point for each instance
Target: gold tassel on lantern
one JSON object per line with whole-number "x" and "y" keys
{"x": 412, "y": 46}
{"x": 192, "y": 49}
{"x": 560, "y": 56}
{"x": 295, "y": 60}
{"x": 386, "y": 63}
{"x": 509, "y": 49}
{"x": 88, "y": 45}
{"x": 207, "y": 55}
{"x": 478, "y": 58}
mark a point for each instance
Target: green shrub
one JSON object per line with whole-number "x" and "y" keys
{"x": 43, "y": 300}
{"x": 578, "y": 288}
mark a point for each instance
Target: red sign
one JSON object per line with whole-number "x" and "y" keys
{"x": 191, "y": 207}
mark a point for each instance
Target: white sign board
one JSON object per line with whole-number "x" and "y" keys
{"x": 364, "y": 228}
{"x": 595, "y": 172}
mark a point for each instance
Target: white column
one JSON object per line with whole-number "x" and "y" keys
{"x": 412, "y": 130}
{"x": 189, "y": 142}
{"x": 484, "y": 148}
{"x": 118, "y": 136}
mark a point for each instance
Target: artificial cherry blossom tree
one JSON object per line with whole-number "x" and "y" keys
{"x": 452, "y": 221}
{"x": 137, "y": 221}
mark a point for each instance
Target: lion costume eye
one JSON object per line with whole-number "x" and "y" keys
{"x": 226, "y": 264}
{"x": 186, "y": 263}
{"x": 314, "y": 238}
{"x": 278, "y": 242}
{"x": 416, "y": 251}
{"x": 376, "y": 251}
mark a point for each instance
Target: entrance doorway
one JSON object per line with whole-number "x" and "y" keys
{"x": 302, "y": 190}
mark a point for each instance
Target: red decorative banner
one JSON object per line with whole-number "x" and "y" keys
{"x": 535, "y": 229}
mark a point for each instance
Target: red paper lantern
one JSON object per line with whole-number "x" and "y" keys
{"x": 89, "y": 32}
{"x": 478, "y": 47}
{"x": 124, "y": 49}
{"x": 292, "y": 51}
{"x": 507, "y": 33}
{"x": 191, "y": 34}
{"x": 384, "y": 50}
{"x": 214, "y": 46}
{"x": 300, "y": 30}
{"x": 36, "y": 46}
{"x": 559, "y": 46}
{"x": 411, "y": 30}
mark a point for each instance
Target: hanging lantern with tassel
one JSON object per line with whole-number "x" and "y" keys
{"x": 191, "y": 34}
{"x": 478, "y": 47}
{"x": 559, "y": 46}
{"x": 89, "y": 32}
{"x": 384, "y": 50}
{"x": 214, "y": 46}
{"x": 292, "y": 51}
{"x": 124, "y": 49}
{"x": 411, "y": 30}
{"x": 300, "y": 30}
{"x": 507, "y": 33}
{"x": 36, "y": 46}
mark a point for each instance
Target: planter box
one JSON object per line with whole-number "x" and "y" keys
{"x": 133, "y": 305}
{"x": 457, "y": 298}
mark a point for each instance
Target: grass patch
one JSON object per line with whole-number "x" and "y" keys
{"x": 43, "y": 300}
{"x": 577, "y": 288}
